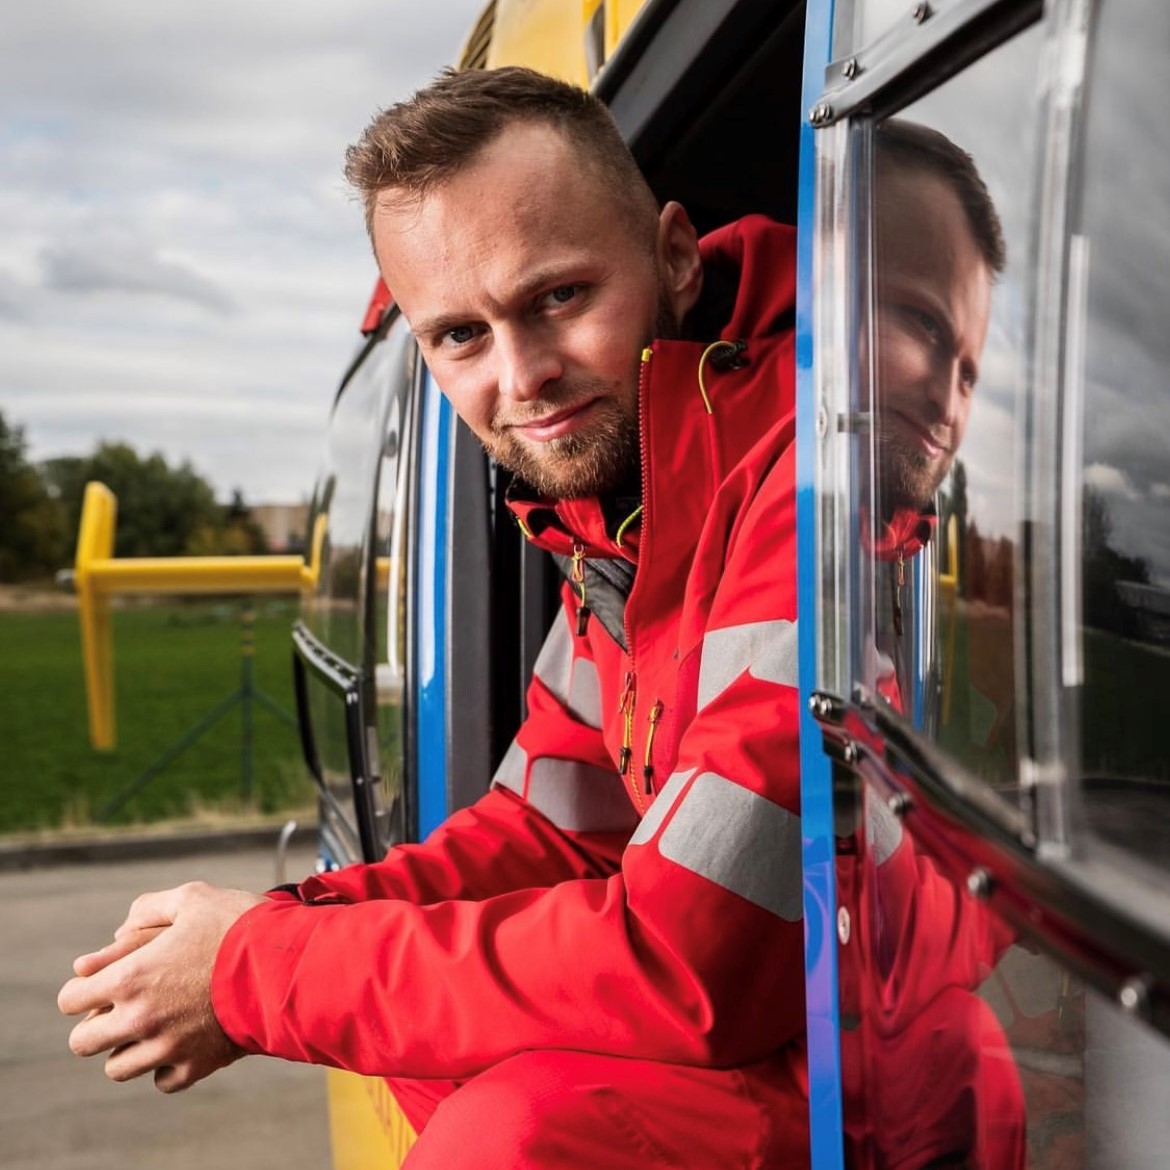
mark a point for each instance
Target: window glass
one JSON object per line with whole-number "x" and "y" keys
{"x": 338, "y": 613}
{"x": 858, "y": 23}
{"x": 950, "y": 261}
{"x": 1119, "y": 273}
{"x": 390, "y": 612}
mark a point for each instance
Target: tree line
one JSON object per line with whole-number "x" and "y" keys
{"x": 987, "y": 565}
{"x": 163, "y": 510}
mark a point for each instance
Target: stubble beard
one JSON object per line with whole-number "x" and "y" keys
{"x": 907, "y": 479}
{"x": 595, "y": 460}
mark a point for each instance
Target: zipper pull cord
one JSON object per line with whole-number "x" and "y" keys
{"x": 577, "y": 577}
{"x": 899, "y": 581}
{"x": 626, "y": 711}
{"x": 723, "y": 355}
{"x": 647, "y": 765}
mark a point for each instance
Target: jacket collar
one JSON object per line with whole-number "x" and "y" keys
{"x": 905, "y": 534}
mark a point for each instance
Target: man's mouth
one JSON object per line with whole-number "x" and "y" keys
{"x": 923, "y": 438}
{"x": 554, "y": 425}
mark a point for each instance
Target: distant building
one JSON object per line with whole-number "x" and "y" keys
{"x": 283, "y": 525}
{"x": 1151, "y": 603}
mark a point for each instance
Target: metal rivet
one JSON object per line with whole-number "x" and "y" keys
{"x": 849, "y": 752}
{"x": 920, "y": 11}
{"x": 844, "y": 926}
{"x": 979, "y": 883}
{"x": 824, "y": 707}
{"x": 900, "y": 804}
{"x": 850, "y": 69}
{"x": 821, "y": 114}
{"x": 1134, "y": 996}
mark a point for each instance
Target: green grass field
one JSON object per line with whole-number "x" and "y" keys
{"x": 172, "y": 665}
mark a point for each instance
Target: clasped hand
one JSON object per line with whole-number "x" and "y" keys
{"x": 147, "y": 995}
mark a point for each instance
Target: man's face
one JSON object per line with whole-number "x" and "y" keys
{"x": 934, "y": 299}
{"x": 532, "y": 300}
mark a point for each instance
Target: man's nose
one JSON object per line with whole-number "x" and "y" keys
{"x": 946, "y": 390}
{"x": 526, "y": 363}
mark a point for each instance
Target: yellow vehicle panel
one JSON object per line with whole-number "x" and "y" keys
{"x": 553, "y": 35}
{"x": 366, "y": 1127}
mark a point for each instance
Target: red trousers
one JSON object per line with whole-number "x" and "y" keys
{"x": 578, "y": 1110}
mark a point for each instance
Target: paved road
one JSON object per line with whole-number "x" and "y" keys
{"x": 58, "y": 1112}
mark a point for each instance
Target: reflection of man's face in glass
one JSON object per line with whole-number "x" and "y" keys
{"x": 934, "y": 298}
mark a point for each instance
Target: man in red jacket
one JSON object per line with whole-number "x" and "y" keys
{"x": 600, "y": 962}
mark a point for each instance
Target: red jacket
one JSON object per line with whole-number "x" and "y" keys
{"x": 632, "y": 882}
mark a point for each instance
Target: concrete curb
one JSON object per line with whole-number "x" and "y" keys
{"x": 21, "y": 855}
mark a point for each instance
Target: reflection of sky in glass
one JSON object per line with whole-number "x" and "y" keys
{"x": 354, "y": 449}
{"x": 990, "y": 111}
{"x": 858, "y": 23}
{"x": 1126, "y": 216}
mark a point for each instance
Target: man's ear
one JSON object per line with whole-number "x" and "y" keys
{"x": 678, "y": 258}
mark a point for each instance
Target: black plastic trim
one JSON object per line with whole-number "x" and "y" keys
{"x": 413, "y": 432}
{"x": 345, "y": 681}
{"x": 695, "y": 42}
{"x": 471, "y": 579}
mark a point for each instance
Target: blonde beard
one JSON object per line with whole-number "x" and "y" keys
{"x": 593, "y": 461}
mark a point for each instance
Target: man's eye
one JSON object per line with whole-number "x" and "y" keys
{"x": 564, "y": 293}
{"x": 461, "y": 334}
{"x": 926, "y": 322}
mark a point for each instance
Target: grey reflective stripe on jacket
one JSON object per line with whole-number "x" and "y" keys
{"x": 767, "y": 649}
{"x": 573, "y": 681}
{"x": 730, "y": 835}
{"x": 883, "y": 830}
{"x": 573, "y": 795}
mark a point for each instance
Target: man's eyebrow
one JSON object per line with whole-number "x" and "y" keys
{"x": 434, "y": 326}
{"x": 551, "y": 276}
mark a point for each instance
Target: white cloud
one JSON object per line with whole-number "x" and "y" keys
{"x": 1110, "y": 480}
{"x": 183, "y": 268}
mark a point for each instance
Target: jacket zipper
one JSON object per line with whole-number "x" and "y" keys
{"x": 899, "y": 581}
{"x": 648, "y": 762}
{"x": 626, "y": 706}
{"x": 629, "y": 691}
{"x": 626, "y": 711}
{"x": 577, "y": 577}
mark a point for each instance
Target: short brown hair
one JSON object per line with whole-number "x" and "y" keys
{"x": 910, "y": 144}
{"x": 420, "y": 143}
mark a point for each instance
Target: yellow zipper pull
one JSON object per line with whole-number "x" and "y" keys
{"x": 577, "y": 577}
{"x": 626, "y": 711}
{"x": 900, "y": 580}
{"x": 647, "y": 765}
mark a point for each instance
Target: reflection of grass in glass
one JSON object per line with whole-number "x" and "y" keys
{"x": 173, "y": 664}
{"x": 980, "y": 732}
{"x": 1124, "y": 708}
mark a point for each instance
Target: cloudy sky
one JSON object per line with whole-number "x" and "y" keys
{"x": 181, "y": 266}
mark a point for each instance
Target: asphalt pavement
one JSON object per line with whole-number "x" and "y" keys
{"x": 58, "y": 1112}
